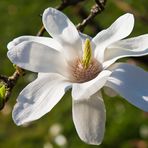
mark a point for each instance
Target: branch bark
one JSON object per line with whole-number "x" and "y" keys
{"x": 96, "y": 9}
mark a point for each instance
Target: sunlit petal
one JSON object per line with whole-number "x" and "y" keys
{"x": 120, "y": 29}
{"x": 39, "y": 97}
{"x": 133, "y": 47}
{"x": 89, "y": 117}
{"x": 43, "y": 40}
{"x": 87, "y": 89}
{"x": 131, "y": 83}
{"x": 37, "y": 57}
{"x": 62, "y": 30}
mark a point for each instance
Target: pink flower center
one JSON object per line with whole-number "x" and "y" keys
{"x": 79, "y": 74}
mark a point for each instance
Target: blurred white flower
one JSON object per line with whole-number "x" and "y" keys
{"x": 71, "y": 59}
{"x": 55, "y": 129}
{"x": 144, "y": 131}
{"x": 60, "y": 140}
{"x": 48, "y": 145}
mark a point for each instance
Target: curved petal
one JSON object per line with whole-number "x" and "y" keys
{"x": 120, "y": 29}
{"x": 85, "y": 90}
{"x": 63, "y": 30}
{"x": 37, "y": 57}
{"x": 137, "y": 46}
{"x": 131, "y": 83}
{"x": 39, "y": 97}
{"x": 43, "y": 40}
{"x": 89, "y": 117}
{"x": 84, "y": 37}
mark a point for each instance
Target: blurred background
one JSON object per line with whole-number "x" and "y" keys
{"x": 126, "y": 126}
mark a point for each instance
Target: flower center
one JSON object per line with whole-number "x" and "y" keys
{"x": 86, "y": 68}
{"x": 80, "y": 74}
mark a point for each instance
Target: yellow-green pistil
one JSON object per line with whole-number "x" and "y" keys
{"x": 87, "y": 54}
{"x": 85, "y": 68}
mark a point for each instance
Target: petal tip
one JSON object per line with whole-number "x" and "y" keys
{"x": 10, "y": 45}
{"x": 129, "y": 16}
{"x": 11, "y": 55}
{"x": 48, "y": 11}
{"x": 17, "y": 117}
{"x": 91, "y": 141}
{"x": 13, "y": 43}
{"x": 16, "y": 121}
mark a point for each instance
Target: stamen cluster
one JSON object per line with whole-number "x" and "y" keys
{"x": 80, "y": 74}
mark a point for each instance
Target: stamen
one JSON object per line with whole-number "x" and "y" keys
{"x": 79, "y": 74}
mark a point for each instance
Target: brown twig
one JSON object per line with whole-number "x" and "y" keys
{"x": 3, "y": 78}
{"x": 97, "y": 8}
{"x": 84, "y": 14}
{"x": 41, "y": 31}
{"x": 9, "y": 84}
{"x": 66, "y": 3}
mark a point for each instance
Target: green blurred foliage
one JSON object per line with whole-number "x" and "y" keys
{"x": 126, "y": 126}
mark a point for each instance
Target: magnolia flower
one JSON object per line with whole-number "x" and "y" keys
{"x": 74, "y": 60}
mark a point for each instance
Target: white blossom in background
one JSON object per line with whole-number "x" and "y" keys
{"x": 60, "y": 140}
{"x": 48, "y": 145}
{"x": 144, "y": 131}
{"x": 55, "y": 130}
{"x": 71, "y": 59}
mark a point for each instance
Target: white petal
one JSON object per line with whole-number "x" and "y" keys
{"x": 85, "y": 90}
{"x": 84, "y": 37}
{"x": 120, "y": 29}
{"x": 89, "y": 117}
{"x": 134, "y": 47}
{"x": 131, "y": 83}
{"x": 37, "y": 57}
{"x": 43, "y": 40}
{"x": 63, "y": 30}
{"x": 39, "y": 97}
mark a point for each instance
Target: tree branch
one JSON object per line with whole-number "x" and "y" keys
{"x": 96, "y": 9}
{"x": 83, "y": 14}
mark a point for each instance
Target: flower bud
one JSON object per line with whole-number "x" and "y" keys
{"x": 2, "y": 95}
